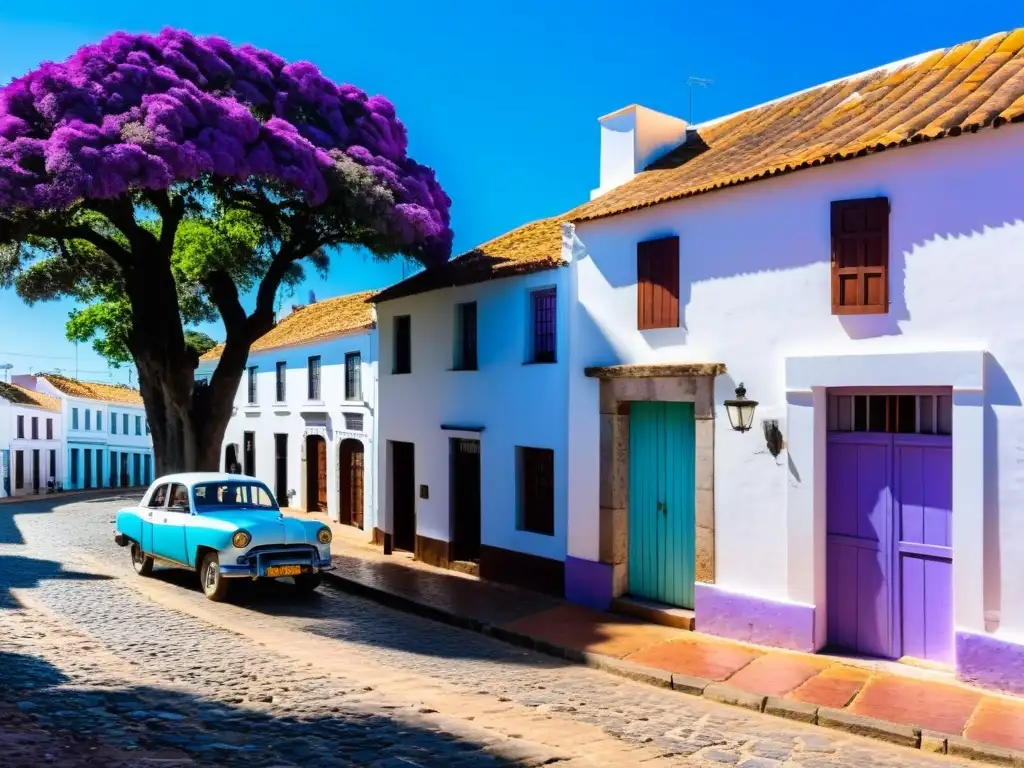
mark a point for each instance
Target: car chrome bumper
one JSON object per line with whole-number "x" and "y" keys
{"x": 255, "y": 564}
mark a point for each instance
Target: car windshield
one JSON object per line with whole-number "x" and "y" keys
{"x": 211, "y": 497}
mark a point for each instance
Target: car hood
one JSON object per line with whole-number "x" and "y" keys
{"x": 267, "y": 527}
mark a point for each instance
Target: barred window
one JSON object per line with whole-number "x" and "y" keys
{"x": 354, "y": 422}
{"x": 353, "y": 376}
{"x": 543, "y": 305}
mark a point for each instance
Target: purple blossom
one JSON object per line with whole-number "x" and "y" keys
{"x": 145, "y": 112}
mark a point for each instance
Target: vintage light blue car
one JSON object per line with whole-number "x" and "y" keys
{"x": 225, "y": 527}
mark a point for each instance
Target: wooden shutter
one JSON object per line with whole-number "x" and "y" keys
{"x": 860, "y": 256}
{"x": 657, "y": 284}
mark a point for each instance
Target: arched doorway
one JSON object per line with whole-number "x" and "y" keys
{"x": 231, "y": 458}
{"x": 316, "y": 474}
{"x": 350, "y": 458}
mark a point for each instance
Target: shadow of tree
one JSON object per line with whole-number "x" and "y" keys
{"x": 144, "y": 723}
{"x": 18, "y": 572}
{"x": 41, "y": 505}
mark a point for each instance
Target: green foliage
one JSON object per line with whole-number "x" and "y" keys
{"x": 199, "y": 342}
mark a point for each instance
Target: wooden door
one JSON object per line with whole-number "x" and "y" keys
{"x": 403, "y": 490}
{"x": 662, "y": 557}
{"x": 351, "y": 460}
{"x": 465, "y": 495}
{"x": 321, "y": 474}
{"x": 281, "y": 469}
{"x": 249, "y": 454}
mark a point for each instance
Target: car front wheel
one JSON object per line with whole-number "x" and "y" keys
{"x": 308, "y": 582}
{"x": 141, "y": 562}
{"x": 215, "y": 586}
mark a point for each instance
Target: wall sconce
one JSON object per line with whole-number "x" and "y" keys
{"x": 740, "y": 410}
{"x": 773, "y": 437}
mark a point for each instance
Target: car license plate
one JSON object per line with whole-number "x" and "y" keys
{"x": 284, "y": 570}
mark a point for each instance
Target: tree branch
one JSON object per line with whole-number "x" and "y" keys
{"x": 171, "y": 210}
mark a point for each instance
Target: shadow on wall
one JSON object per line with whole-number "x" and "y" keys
{"x": 180, "y": 727}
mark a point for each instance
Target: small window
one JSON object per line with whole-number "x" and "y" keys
{"x": 74, "y": 418}
{"x": 657, "y": 284}
{"x": 252, "y": 385}
{"x": 49, "y": 429}
{"x": 354, "y": 422}
{"x": 403, "y": 344}
{"x": 279, "y": 371}
{"x": 906, "y": 414}
{"x": 124, "y": 423}
{"x": 536, "y": 502}
{"x": 353, "y": 376}
{"x": 99, "y": 421}
{"x": 543, "y": 333}
{"x": 159, "y": 498}
{"x": 88, "y": 420}
{"x": 860, "y": 256}
{"x": 179, "y": 495}
{"x": 138, "y": 426}
{"x": 35, "y": 427}
{"x": 313, "y": 375}
{"x": 21, "y": 427}
{"x": 465, "y": 337}
{"x": 113, "y": 423}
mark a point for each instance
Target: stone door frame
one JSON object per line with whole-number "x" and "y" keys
{"x": 621, "y": 385}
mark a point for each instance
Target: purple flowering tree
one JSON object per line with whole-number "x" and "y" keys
{"x": 157, "y": 179}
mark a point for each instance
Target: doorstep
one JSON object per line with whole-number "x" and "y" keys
{"x": 655, "y": 613}
{"x": 880, "y": 702}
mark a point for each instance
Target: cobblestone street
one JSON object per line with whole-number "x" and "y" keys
{"x": 133, "y": 670}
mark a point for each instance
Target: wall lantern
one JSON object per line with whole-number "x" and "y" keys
{"x": 740, "y": 410}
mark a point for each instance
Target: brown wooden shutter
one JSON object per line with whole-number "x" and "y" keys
{"x": 657, "y": 284}
{"x": 860, "y": 256}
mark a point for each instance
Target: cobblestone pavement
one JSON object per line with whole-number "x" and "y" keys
{"x": 148, "y": 666}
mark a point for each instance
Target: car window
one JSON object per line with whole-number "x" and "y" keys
{"x": 211, "y": 497}
{"x": 179, "y": 497}
{"x": 159, "y": 498}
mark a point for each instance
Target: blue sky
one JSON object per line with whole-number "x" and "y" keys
{"x": 501, "y": 99}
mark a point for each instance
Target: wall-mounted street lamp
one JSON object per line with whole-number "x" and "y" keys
{"x": 740, "y": 410}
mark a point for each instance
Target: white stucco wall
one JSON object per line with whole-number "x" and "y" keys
{"x": 517, "y": 404}
{"x": 297, "y": 415}
{"x": 26, "y": 445}
{"x": 755, "y": 290}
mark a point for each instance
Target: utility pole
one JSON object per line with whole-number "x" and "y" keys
{"x": 691, "y": 81}
{"x": 6, "y": 368}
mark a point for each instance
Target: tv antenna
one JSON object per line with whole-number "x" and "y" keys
{"x": 691, "y": 81}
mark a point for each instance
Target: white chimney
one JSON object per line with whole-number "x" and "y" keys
{"x": 631, "y": 139}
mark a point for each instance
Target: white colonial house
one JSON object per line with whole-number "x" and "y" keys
{"x": 105, "y": 436}
{"x": 304, "y": 416}
{"x": 847, "y": 258}
{"x": 473, "y": 392}
{"x": 31, "y": 441}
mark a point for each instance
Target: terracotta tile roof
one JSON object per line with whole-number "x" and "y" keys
{"x": 323, "y": 320}
{"x": 533, "y": 247}
{"x": 91, "y": 390}
{"x": 12, "y": 393}
{"x": 944, "y": 93}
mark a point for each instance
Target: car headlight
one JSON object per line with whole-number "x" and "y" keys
{"x": 324, "y": 536}
{"x": 241, "y": 539}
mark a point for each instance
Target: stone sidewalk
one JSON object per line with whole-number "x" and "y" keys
{"x": 899, "y": 704}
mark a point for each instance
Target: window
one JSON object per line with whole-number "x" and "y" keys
{"x": 74, "y": 467}
{"x": 138, "y": 425}
{"x": 49, "y": 429}
{"x": 279, "y": 371}
{"x": 465, "y": 337}
{"x": 252, "y": 385}
{"x": 313, "y": 376}
{"x": 147, "y": 426}
{"x": 21, "y": 427}
{"x": 19, "y": 469}
{"x": 536, "y": 473}
{"x": 35, "y": 427}
{"x": 860, "y": 256}
{"x": 113, "y": 423}
{"x": 353, "y": 376}
{"x": 930, "y": 414}
{"x": 88, "y": 419}
{"x": 179, "y": 496}
{"x": 74, "y": 418}
{"x": 403, "y": 345}
{"x": 353, "y": 422}
{"x": 159, "y": 498}
{"x": 657, "y": 284}
{"x": 542, "y": 317}
{"x": 124, "y": 423}
{"x": 214, "y": 497}
{"x": 99, "y": 421}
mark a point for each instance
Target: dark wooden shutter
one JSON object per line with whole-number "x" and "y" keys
{"x": 657, "y": 285}
{"x": 860, "y": 256}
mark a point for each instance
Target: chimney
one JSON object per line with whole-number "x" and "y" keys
{"x": 631, "y": 139}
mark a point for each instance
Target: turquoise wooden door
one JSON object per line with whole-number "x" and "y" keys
{"x": 661, "y": 502}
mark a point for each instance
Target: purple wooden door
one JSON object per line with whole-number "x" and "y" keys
{"x": 859, "y": 543}
{"x": 923, "y": 507}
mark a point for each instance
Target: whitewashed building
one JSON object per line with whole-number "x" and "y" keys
{"x": 851, "y": 255}
{"x": 304, "y": 417}
{"x": 105, "y": 434}
{"x": 472, "y": 427}
{"x": 30, "y": 441}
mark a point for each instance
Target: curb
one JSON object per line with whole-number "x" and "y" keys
{"x": 841, "y": 720}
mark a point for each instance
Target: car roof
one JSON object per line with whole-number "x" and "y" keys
{"x": 192, "y": 478}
